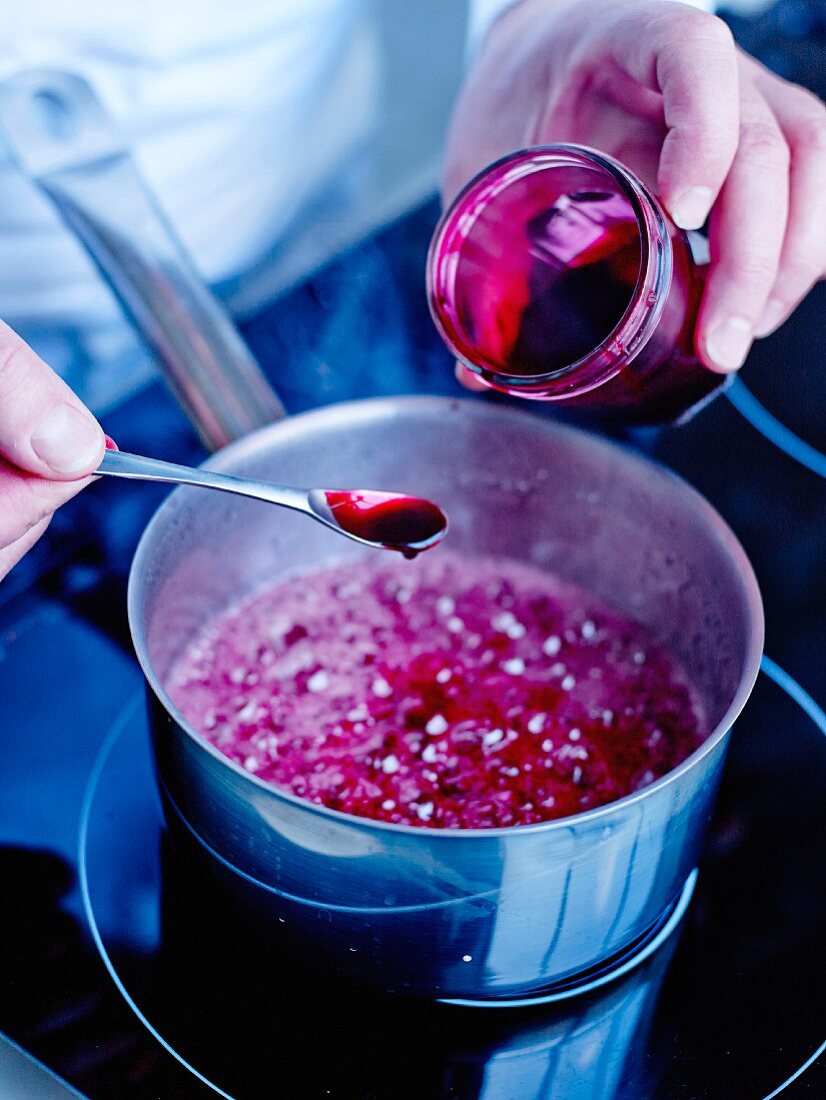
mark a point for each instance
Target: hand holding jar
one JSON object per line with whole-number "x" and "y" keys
{"x": 49, "y": 445}
{"x": 662, "y": 88}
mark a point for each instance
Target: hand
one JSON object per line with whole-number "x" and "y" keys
{"x": 49, "y": 443}
{"x": 663, "y": 88}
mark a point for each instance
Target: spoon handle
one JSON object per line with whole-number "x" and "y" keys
{"x": 140, "y": 468}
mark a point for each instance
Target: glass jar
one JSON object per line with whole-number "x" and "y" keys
{"x": 556, "y": 275}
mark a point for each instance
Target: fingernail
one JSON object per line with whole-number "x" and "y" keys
{"x": 772, "y": 318}
{"x": 468, "y": 379}
{"x": 728, "y": 343}
{"x": 67, "y": 440}
{"x": 690, "y": 209}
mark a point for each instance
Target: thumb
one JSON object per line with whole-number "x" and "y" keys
{"x": 44, "y": 428}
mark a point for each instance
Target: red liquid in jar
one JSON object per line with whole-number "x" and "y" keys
{"x": 560, "y": 286}
{"x": 407, "y": 524}
{"x": 542, "y": 276}
{"x": 452, "y": 693}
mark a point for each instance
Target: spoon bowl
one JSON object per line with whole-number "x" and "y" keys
{"x": 392, "y": 520}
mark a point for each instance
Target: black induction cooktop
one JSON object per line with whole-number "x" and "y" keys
{"x": 115, "y": 971}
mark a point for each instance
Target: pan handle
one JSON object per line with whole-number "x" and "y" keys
{"x": 63, "y": 140}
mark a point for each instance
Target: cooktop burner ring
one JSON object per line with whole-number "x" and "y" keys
{"x": 775, "y": 431}
{"x": 131, "y": 721}
{"x": 132, "y": 710}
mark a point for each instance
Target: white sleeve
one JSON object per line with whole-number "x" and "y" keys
{"x": 483, "y": 12}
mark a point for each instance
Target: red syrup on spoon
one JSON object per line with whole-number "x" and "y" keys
{"x": 403, "y": 523}
{"x": 452, "y": 692}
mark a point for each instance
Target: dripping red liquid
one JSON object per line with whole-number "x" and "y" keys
{"x": 403, "y": 523}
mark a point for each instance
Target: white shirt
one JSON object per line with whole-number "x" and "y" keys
{"x": 242, "y": 115}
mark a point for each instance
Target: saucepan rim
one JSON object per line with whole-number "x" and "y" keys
{"x": 365, "y": 411}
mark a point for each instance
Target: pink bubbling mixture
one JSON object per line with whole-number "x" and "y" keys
{"x": 451, "y": 692}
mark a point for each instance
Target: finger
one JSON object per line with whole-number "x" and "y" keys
{"x": 802, "y": 119}
{"x": 44, "y": 428}
{"x": 26, "y": 500}
{"x": 747, "y": 228}
{"x": 691, "y": 59}
{"x": 468, "y": 379}
{"x": 11, "y": 555}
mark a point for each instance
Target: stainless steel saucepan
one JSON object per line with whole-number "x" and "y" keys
{"x": 473, "y": 914}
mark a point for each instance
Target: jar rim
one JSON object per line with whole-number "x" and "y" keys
{"x": 647, "y": 300}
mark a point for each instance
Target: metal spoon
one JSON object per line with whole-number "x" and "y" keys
{"x": 391, "y": 521}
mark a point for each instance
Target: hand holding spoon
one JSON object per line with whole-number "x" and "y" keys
{"x": 391, "y": 521}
